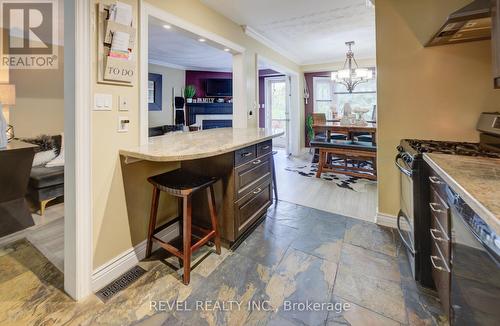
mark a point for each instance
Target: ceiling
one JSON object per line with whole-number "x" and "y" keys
{"x": 180, "y": 49}
{"x": 307, "y": 31}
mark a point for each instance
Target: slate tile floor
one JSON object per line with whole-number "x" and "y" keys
{"x": 296, "y": 255}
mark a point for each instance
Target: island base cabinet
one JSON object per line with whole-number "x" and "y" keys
{"x": 243, "y": 194}
{"x": 249, "y": 208}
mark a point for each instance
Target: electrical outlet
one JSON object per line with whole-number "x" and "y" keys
{"x": 123, "y": 123}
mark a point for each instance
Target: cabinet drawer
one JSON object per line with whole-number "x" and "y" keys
{"x": 249, "y": 208}
{"x": 440, "y": 237}
{"x": 441, "y": 276}
{"x": 241, "y": 156}
{"x": 264, "y": 147}
{"x": 440, "y": 211}
{"x": 437, "y": 183}
{"x": 249, "y": 175}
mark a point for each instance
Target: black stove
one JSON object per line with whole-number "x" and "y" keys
{"x": 417, "y": 146}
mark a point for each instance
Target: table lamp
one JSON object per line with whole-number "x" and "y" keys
{"x": 7, "y": 98}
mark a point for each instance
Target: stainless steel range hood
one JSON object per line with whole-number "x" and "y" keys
{"x": 470, "y": 23}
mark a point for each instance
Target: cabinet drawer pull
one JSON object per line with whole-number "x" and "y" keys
{"x": 435, "y": 180}
{"x": 266, "y": 147}
{"x": 436, "y": 210}
{"x": 257, "y": 162}
{"x": 256, "y": 191}
{"x": 246, "y": 154}
{"x": 443, "y": 269}
{"x": 436, "y": 237}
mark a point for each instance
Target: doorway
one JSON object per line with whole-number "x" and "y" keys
{"x": 277, "y": 90}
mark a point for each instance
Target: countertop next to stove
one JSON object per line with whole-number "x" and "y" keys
{"x": 475, "y": 179}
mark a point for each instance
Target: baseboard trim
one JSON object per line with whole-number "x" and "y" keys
{"x": 111, "y": 270}
{"x": 386, "y": 220}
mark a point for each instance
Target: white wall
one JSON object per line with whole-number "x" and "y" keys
{"x": 172, "y": 78}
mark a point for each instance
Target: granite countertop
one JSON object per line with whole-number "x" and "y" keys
{"x": 475, "y": 179}
{"x": 181, "y": 146}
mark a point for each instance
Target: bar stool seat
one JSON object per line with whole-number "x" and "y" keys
{"x": 183, "y": 184}
{"x": 179, "y": 183}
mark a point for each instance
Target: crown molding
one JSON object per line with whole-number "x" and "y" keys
{"x": 272, "y": 45}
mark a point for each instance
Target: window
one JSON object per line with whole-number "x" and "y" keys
{"x": 323, "y": 95}
{"x": 329, "y": 95}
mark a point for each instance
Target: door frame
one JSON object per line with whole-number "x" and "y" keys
{"x": 78, "y": 243}
{"x": 239, "y": 70}
{"x": 296, "y": 115}
{"x": 267, "y": 98}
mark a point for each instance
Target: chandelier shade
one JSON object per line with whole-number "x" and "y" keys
{"x": 351, "y": 75}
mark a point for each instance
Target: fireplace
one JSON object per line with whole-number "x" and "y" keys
{"x": 211, "y": 124}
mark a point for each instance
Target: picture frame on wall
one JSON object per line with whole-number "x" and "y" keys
{"x": 155, "y": 88}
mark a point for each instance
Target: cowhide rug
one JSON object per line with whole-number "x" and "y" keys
{"x": 341, "y": 180}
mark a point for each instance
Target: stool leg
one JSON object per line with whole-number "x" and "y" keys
{"x": 321, "y": 163}
{"x": 213, "y": 217}
{"x": 152, "y": 220}
{"x": 186, "y": 225}
{"x": 275, "y": 185}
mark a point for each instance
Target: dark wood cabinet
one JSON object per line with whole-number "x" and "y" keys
{"x": 495, "y": 42}
{"x": 250, "y": 174}
{"x": 440, "y": 239}
{"x": 244, "y": 192}
{"x": 251, "y": 207}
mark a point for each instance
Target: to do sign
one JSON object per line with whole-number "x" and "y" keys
{"x": 118, "y": 70}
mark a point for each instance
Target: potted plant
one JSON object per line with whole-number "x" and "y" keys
{"x": 189, "y": 93}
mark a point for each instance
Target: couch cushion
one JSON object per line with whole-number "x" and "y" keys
{"x": 347, "y": 144}
{"x": 45, "y": 177}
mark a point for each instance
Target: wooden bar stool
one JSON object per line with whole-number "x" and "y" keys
{"x": 183, "y": 184}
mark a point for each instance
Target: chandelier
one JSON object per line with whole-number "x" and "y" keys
{"x": 351, "y": 75}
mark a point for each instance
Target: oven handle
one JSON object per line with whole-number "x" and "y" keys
{"x": 407, "y": 245}
{"x": 400, "y": 167}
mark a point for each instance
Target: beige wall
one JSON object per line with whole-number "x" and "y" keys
{"x": 172, "y": 78}
{"x": 39, "y": 105}
{"x": 427, "y": 93}
{"x": 120, "y": 194}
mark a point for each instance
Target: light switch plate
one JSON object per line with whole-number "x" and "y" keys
{"x": 123, "y": 103}
{"x": 123, "y": 123}
{"x": 103, "y": 102}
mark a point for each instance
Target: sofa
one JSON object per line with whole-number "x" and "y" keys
{"x": 161, "y": 130}
{"x": 46, "y": 183}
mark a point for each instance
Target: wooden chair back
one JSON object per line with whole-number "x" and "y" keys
{"x": 319, "y": 118}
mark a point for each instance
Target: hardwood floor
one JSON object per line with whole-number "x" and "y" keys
{"x": 47, "y": 235}
{"x": 321, "y": 194}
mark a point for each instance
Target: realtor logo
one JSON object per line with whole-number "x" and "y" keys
{"x": 29, "y": 33}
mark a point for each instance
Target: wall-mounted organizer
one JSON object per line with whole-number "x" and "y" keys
{"x": 116, "y": 57}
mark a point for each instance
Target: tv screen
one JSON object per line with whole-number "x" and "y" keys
{"x": 219, "y": 87}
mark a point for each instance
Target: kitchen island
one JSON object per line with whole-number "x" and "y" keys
{"x": 240, "y": 158}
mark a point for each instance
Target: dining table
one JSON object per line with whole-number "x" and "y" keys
{"x": 347, "y": 129}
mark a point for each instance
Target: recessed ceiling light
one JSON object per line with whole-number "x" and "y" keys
{"x": 167, "y": 26}
{"x": 227, "y": 50}
{"x": 201, "y": 40}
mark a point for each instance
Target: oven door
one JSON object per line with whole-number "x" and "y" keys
{"x": 405, "y": 222}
